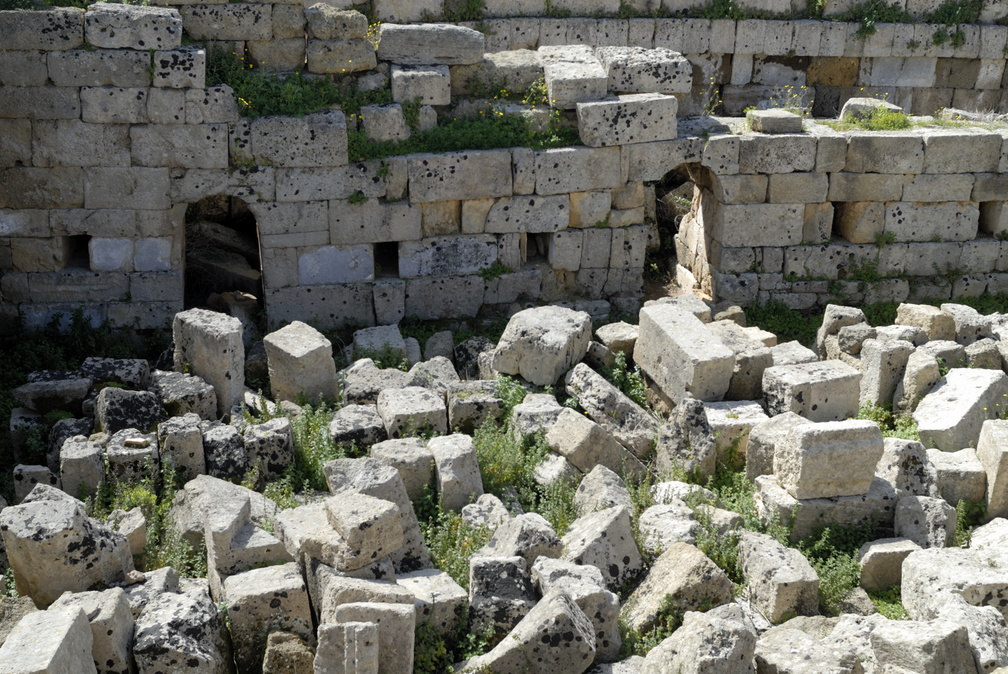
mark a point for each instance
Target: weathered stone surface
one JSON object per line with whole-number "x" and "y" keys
{"x": 686, "y": 442}
{"x": 411, "y": 458}
{"x": 111, "y": 624}
{"x": 329, "y": 588}
{"x": 224, "y": 451}
{"x": 500, "y": 593}
{"x": 630, "y": 118}
{"x": 572, "y": 74}
{"x": 82, "y": 466}
{"x": 53, "y": 546}
{"x": 350, "y": 646}
{"x": 828, "y": 459}
{"x": 819, "y": 391}
{"x": 921, "y": 373}
{"x": 788, "y": 649}
{"x": 936, "y": 323}
{"x": 663, "y": 524}
{"x": 610, "y": 408}
{"x": 456, "y": 469}
{"x": 555, "y": 634}
{"x": 604, "y": 539}
{"x": 882, "y": 560}
{"x": 49, "y": 641}
{"x": 209, "y": 345}
{"x": 270, "y": 447}
{"x": 960, "y": 476}
{"x": 682, "y": 573}
{"x": 576, "y": 169}
{"x": 410, "y": 410}
{"x": 781, "y": 580}
{"x": 177, "y": 628}
{"x": 300, "y": 362}
{"x": 634, "y": 70}
{"x": 681, "y": 355}
{"x": 110, "y": 26}
{"x": 26, "y": 477}
{"x": 991, "y": 451}
{"x": 601, "y": 488}
{"x": 928, "y": 522}
{"x": 585, "y": 444}
{"x": 287, "y": 653}
{"x": 438, "y": 599}
{"x": 459, "y": 175}
{"x": 117, "y": 409}
{"x": 763, "y": 441}
{"x": 722, "y": 640}
{"x": 541, "y": 344}
{"x": 920, "y": 646}
{"x": 906, "y": 466}
{"x": 883, "y": 364}
{"x": 58, "y": 28}
{"x": 752, "y": 357}
{"x": 950, "y": 417}
{"x": 430, "y": 44}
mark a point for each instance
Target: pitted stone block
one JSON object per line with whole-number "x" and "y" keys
{"x": 630, "y": 118}
{"x": 300, "y": 361}
{"x": 819, "y": 391}
{"x": 830, "y": 459}
{"x": 634, "y": 70}
{"x": 951, "y": 416}
{"x": 111, "y": 26}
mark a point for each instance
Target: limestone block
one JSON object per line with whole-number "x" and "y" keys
{"x": 26, "y": 477}
{"x": 683, "y": 574}
{"x": 723, "y": 639}
{"x": 790, "y": 188}
{"x": 430, "y": 44}
{"x": 681, "y": 355}
{"x": 456, "y": 469}
{"x": 270, "y": 447}
{"x": 313, "y": 140}
{"x": 104, "y": 68}
{"x": 345, "y": 647}
{"x": 751, "y": 359}
{"x": 447, "y": 255}
{"x": 396, "y": 625}
{"x": 922, "y": 646}
{"x": 738, "y": 225}
{"x": 782, "y": 581}
{"x": 58, "y": 28}
{"x": 580, "y": 169}
{"x": 181, "y": 627}
{"x": 413, "y": 460}
{"x": 40, "y": 102}
{"x": 409, "y": 410}
{"x": 810, "y": 515}
{"x": 551, "y": 620}
{"x": 819, "y": 391}
{"x": 635, "y": 70}
{"x": 113, "y": 105}
{"x": 604, "y": 539}
{"x": 336, "y": 264}
{"x": 430, "y": 85}
{"x": 167, "y": 106}
{"x": 111, "y": 624}
{"x": 849, "y": 186}
{"x": 372, "y": 527}
{"x": 50, "y": 641}
{"x": 500, "y": 593}
{"x": 540, "y": 344}
{"x": 686, "y": 443}
{"x": 455, "y": 176}
{"x": 437, "y": 598}
{"x": 181, "y": 146}
{"x": 573, "y": 74}
{"x": 630, "y": 118}
{"x": 731, "y": 423}
{"x": 763, "y": 440}
{"x": 888, "y": 152}
{"x": 961, "y": 151}
{"x": 785, "y": 153}
{"x": 532, "y": 214}
{"x": 111, "y": 26}
{"x": 236, "y": 21}
{"x": 945, "y": 221}
{"x": 928, "y": 522}
{"x": 960, "y": 475}
{"x": 82, "y": 466}
{"x": 883, "y": 364}
{"x": 585, "y": 444}
{"x": 53, "y": 546}
{"x": 610, "y": 408}
{"x": 180, "y": 68}
{"x": 300, "y": 361}
{"x": 991, "y": 453}
{"x": 943, "y": 187}
{"x": 326, "y": 22}
{"x": 828, "y": 459}
{"x": 384, "y": 122}
{"x": 444, "y": 297}
{"x": 210, "y": 345}
{"x": 774, "y": 121}
{"x": 881, "y": 562}
{"x": 950, "y": 417}
{"x": 181, "y": 444}
{"x": 340, "y": 56}
{"x": 528, "y": 536}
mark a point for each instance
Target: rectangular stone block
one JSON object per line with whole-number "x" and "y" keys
{"x": 532, "y": 214}
{"x": 782, "y": 153}
{"x": 819, "y": 391}
{"x": 180, "y": 68}
{"x": 865, "y": 187}
{"x": 40, "y": 102}
{"x": 793, "y": 188}
{"x": 651, "y": 161}
{"x": 233, "y": 21}
{"x": 431, "y": 85}
{"x": 322, "y": 183}
{"x": 168, "y": 106}
{"x": 59, "y": 640}
{"x": 991, "y": 451}
{"x": 757, "y": 224}
{"x": 829, "y": 459}
{"x": 314, "y": 140}
{"x": 336, "y": 306}
{"x": 196, "y": 146}
{"x": 681, "y": 355}
{"x": 940, "y": 187}
{"x": 51, "y": 287}
{"x": 444, "y": 297}
{"x": 57, "y": 28}
{"x": 447, "y": 255}
{"x": 74, "y": 143}
{"x": 114, "y": 105}
{"x": 631, "y": 118}
{"x": 460, "y": 175}
{"x": 102, "y": 68}
{"x": 573, "y": 74}
{"x": 137, "y": 188}
{"x": 885, "y": 152}
{"x": 278, "y": 55}
{"x": 942, "y": 221}
{"x": 30, "y": 187}
{"x": 113, "y": 26}
{"x": 209, "y": 344}
{"x": 951, "y": 416}
{"x": 23, "y": 68}
{"x": 577, "y": 170}
{"x": 639, "y": 70}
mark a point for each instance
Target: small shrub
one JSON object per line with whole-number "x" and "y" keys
{"x": 630, "y": 382}
{"x": 313, "y": 448}
{"x": 833, "y": 554}
{"x": 969, "y": 514}
{"x": 891, "y": 425}
{"x": 452, "y": 542}
{"x": 871, "y": 12}
{"x": 495, "y": 270}
{"x": 463, "y": 10}
{"x": 785, "y": 322}
{"x": 889, "y": 603}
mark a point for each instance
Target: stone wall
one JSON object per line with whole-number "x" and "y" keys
{"x": 857, "y": 216}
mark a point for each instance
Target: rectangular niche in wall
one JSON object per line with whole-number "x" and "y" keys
{"x": 75, "y": 252}
{"x": 386, "y": 259}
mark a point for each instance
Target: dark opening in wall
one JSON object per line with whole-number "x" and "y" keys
{"x": 75, "y": 253}
{"x": 386, "y": 259}
{"x": 221, "y": 252}
{"x": 673, "y": 198}
{"x": 536, "y": 248}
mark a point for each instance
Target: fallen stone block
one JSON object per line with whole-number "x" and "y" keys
{"x": 821, "y": 391}
{"x": 500, "y": 594}
{"x": 936, "y": 323}
{"x": 430, "y": 44}
{"x": 573, "y": 75}
{"x": 605, "y": 540}
{"x": 300, "y": 362}
{"x": 411, "y": 410}
{"x": 438, "y": 599}
{"x": 611, "y": 409}
{"x": 731, "y": 424}
{"x": 663, "y": 524}
{"x": 555, "y": 634}
{"x": 992, "y": 451}
{"x": 535, "y": 414}
{"x": 828, "y": 459}
{"x": 209, "y": 345}
{"x": 26, "y": 477}
{"x": 175, "y": 628}
{"x": 371, "y": 526}
{"x": 224, "y": 451}
{"x": 787, "y": 649}
{"x": 270, "y": 447}
{"x": 53, "y": 546}
{"x": 686, "y": 441}
{"x": 528, "y": 535}
{"x": 881, "y": 562}
{"x": 192, "y": 502}
{"x": 585, "y": 586}
{"x": 542, "y": 343}
{"x": 906, "y": 466}
{"x": 685, "y": 575}
{"x": 66, "y": 393}
{"x": 681, "y": 355}
{"x": 111, "y": 622}
{"x": 411, "y": 458}
{"x": 922, "y": 646}
{"x": 601, "y": 488}
{"x": 181, "y": 394}
{"x": 636, "y": 70}
{"x": 363, "y": 381}
{"x": 357, "y": 424}
{"x": 329, "y": 589}
{"x": 286, "y": 652}
{"x": 456, "y": 469}
{"x": 764, "y": 439}
{"x": 951, "y": 415}
{"x": 49, "y": 641}
{"x": 261, "y": 601}
{"x": 488, "y": 512}
{"x": 752, "y": 357}
{"x": 585, "y": 445}
{"x": 722, "y": 640}
{"x": 883, "y": 364}
{"x": 928, "y": 522}
{"x": 836, "y": 317}
{"x": 116, "y": 409}
{"x": 808, "y": 516}
{"x": 922, "y": 372}
{"x": 345, "y": 647}
{"x": 82, "y": 466}
{"x": 781, "y": 581}
{"x": 472, "y": 403}
{"x": 960, "y": 476}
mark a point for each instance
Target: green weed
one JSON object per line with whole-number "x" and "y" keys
{"x": 630, "y": 382}
{"x": 495, "y": 270}
{"x": 889, "y": 603}
{"x": 891, "y": 425}
{"x": 787, "y": 323}
{"x": 871, "y": 12}
{"x": 452, "y": 542}
{"x": 969, "y": 514}
{"x": 463, "y": 10}
{"x": 833, "y": 554}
